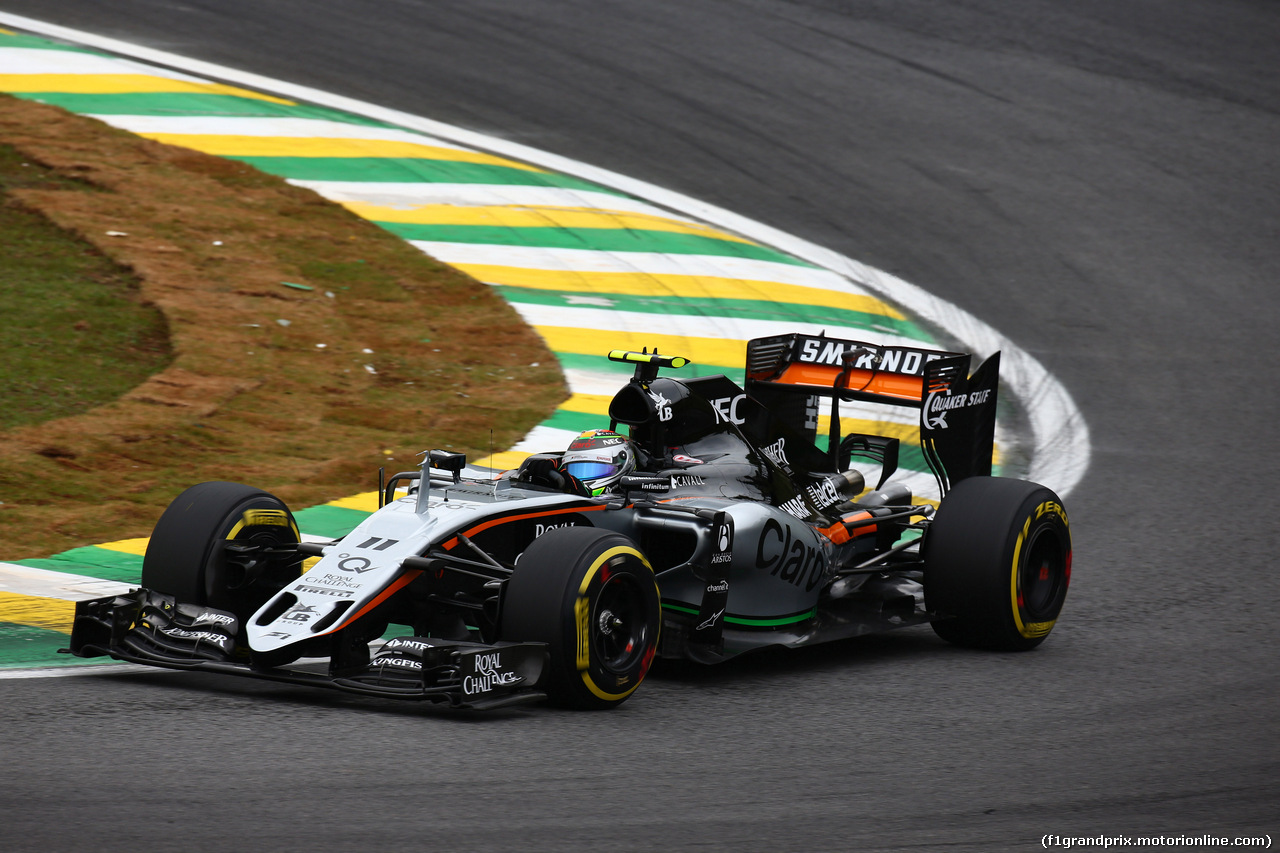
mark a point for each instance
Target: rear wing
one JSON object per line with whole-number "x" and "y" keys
{"x": 791, "y": 375}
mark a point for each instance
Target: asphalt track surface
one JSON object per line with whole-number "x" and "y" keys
{"x": 1097, "y": 180}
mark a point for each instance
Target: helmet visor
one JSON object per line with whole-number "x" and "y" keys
{"x": 591, "y": 470}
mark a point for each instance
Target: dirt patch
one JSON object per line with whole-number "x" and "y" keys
{"x": 309, "y": 346}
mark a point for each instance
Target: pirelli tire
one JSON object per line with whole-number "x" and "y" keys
{"x": 193, "y": 554}
{"x": 590, "y": 595}
{"x": 997, "y": 563}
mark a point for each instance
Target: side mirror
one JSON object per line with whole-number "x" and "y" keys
{"x": 443, "y": 460}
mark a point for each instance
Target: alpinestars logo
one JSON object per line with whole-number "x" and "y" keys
{"x": 702, "y": 626}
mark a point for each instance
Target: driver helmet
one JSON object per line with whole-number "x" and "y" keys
{"x": 599, "y": 458}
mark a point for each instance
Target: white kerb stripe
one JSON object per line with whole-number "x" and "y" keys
{"x": 267, "y": 127}
{"x": 650, "y": 263}
{"x": 606, "y": 320}
{"x": 25, "y": 580}
{"x": 475, "y": 195}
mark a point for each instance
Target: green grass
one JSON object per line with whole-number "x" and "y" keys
{"x": 308, "y": 345}
{"x": 74, "y": 335}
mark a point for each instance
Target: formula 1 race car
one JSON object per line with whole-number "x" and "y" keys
{"x": 722, "y": 526}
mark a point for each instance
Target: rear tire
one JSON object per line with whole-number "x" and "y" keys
{"x": 997, "y": 564}
{"x": 187, "y": 556}
{"x": 590, "y": 596}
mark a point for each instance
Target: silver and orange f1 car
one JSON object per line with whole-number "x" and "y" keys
{"x": 734, "y": 526}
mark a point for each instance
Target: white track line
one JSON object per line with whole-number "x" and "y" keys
{"x": 25, "y": 580}
{"x": 77, "y": 669}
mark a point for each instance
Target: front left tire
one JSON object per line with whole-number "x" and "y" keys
{"x": 223, "y": 545}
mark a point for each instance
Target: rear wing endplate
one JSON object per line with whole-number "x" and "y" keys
{"x": 792, "y": 374}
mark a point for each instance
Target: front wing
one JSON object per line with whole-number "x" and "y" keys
{"x": 153, "y": 629}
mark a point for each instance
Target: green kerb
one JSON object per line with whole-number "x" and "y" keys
{"x": 19, "y": 40}
{"x": 93, "y": 562}
{"x": 332, "y": 521}
{"x": 408, "y": 170}
{"x": 187, "y": 104}
{"x": 25, "y": 647}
